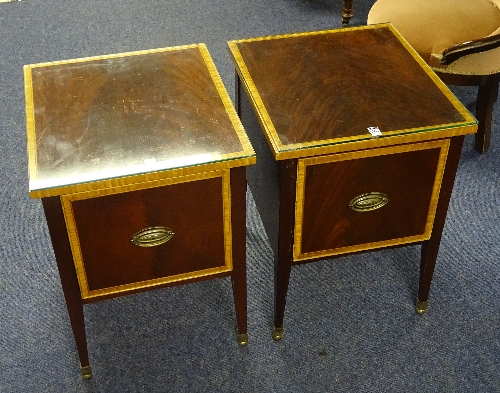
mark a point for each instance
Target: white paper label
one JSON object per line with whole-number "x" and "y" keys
{"x": 375, "y": 131}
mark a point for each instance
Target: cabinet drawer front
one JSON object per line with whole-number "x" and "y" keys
{"x": 367, "y": 199}
{"x": 139, "y": 238}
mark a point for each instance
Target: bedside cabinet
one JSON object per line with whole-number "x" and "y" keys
{"x": 140, "y": 162}
{"x": 358, "y": 144}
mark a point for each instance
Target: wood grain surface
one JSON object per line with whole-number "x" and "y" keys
{"x": 406, "y": 178}
{"x": 334, "y": 85}
{"x": 109, "y": 113}
{"x": 105, "y": 225}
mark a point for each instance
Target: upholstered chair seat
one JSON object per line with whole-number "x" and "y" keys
{"x": 459, "y": 39}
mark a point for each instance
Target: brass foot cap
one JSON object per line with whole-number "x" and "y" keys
{"x": 86, "y": 372}
{"x": 421, "y": 306}
{"x": 277, "y": 333}
{"x": 242, "y": 339}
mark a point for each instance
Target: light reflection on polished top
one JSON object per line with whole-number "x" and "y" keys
{"x": 128, "y": 114}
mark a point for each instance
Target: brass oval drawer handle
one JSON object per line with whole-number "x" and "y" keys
{"x": 150, "y": 237}
{"x": 369, "y": 201}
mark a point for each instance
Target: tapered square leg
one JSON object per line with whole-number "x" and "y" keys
{"x": 430, "y": 247}
{"x": 71, "y": 289}
{"x": 238, "y": 223}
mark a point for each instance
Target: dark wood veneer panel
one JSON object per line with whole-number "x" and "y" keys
{"x": 333, "y": 85}
{"x": 105, "y": 224}
{"x": 407, "y": 178}
{"x": 112, "y": 112}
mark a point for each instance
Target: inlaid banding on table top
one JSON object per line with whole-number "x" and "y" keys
{"x": 126, "y": 115}
{"x": 315, "y": 90}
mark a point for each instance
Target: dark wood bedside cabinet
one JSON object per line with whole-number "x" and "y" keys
{"x": 140, "y": 161}
{"x": 358, "y": 144}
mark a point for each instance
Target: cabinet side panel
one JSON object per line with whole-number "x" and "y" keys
{"x": 263, "y": 178}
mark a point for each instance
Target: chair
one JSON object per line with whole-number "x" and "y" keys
{"x": 459, "y": 39}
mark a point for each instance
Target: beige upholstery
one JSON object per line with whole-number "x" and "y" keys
{"x": 431, "y": 26}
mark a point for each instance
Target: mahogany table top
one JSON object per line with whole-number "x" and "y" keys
{"x": 127, "y": 115}
{"x": 319, "y": 90}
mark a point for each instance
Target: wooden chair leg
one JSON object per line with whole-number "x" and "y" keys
{"x": 486, "y": 98}
{"x": 346, "y": 12}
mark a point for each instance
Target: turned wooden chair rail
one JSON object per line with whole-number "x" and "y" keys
{"x": 347, "y": 12}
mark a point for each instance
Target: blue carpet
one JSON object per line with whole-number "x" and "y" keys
{"x": 350, "y": 322}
